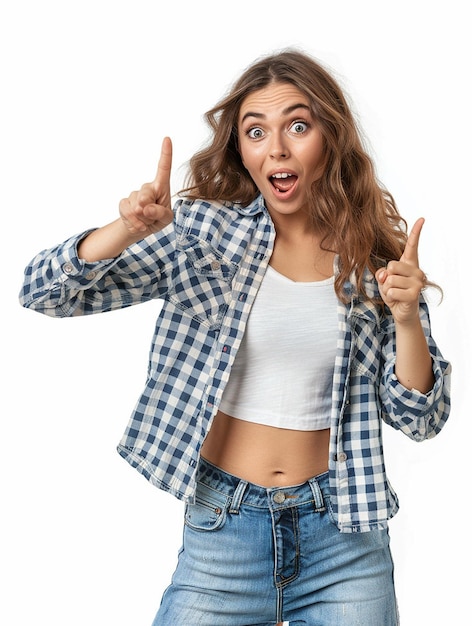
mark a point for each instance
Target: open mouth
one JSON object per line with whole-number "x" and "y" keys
{"x": 283, "y": 181}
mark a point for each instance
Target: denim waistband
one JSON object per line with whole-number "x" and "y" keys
{"x": 242, "y": 491}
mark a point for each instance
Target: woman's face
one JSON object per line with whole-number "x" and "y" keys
{"x": 281, "y": 146}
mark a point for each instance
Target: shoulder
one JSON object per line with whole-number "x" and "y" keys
{"x": 193, "y": 216}
{"x": 203, "y": 210}
{"x": 224, "y": 227}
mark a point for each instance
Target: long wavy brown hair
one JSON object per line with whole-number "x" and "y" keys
{"x": 356, "y": 215}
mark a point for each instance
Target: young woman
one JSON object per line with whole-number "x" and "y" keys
{"x": 293, "y": 323}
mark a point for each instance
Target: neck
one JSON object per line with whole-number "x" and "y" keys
{"x": 293, "y": 227}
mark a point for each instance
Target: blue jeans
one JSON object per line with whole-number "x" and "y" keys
{"x": 254, "y": 556}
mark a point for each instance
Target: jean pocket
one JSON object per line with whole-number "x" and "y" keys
{"x": 209, "y": 511}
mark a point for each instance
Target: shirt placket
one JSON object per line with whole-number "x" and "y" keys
{"x": 246, "y": 283}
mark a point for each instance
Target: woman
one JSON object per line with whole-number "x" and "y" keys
{"x": 293, "y": 323}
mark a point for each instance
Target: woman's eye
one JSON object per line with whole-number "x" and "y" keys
{"x": 299, "y": 127}
{"x": 255, "y": 133}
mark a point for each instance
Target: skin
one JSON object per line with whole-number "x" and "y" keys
{"x": 277, "y": 134}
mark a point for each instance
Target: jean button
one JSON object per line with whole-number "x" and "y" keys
{"x": 279, "y": 497}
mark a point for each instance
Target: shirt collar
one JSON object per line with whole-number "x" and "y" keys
{"x": 255, "y": 207}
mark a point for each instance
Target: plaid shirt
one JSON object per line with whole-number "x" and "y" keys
{"x": 207, "y": 267}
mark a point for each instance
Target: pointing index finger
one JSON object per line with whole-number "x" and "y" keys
{"x": 410, "y": 253}
{"x": 165, "y": 163}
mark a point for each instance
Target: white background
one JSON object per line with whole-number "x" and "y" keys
{"x": 89, "y": 89}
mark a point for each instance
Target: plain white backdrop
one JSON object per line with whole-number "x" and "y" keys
{"x": 88, "y": 91}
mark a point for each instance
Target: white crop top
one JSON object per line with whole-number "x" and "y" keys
{"x": 283, "y": 372}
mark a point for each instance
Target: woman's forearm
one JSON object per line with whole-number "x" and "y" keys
{"x": 413, "y": 365}
{"x": 106, "y": 242}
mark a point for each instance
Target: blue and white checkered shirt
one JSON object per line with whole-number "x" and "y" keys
{"x": 207, "y": 267}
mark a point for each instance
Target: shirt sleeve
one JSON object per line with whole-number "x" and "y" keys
{"x": 419, "y": 415}
{"x": 60, "y": 284}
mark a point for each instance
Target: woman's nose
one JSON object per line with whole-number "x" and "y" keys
{"x": 278, "y": 148}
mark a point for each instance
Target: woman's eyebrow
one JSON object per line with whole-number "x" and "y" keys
{"x": 285, "y": 111}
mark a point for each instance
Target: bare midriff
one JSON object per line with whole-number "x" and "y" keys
{"x": 265, "y": 455}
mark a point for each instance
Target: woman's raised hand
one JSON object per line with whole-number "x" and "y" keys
{"x": 149, "y": 210}
{"x": 401, "y": 282}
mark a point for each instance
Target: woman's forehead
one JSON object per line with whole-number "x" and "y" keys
{"x": 276, "y": 97}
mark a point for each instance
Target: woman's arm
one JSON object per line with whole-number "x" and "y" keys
{"x": 413, "y": 365}
{"x": 122, "y": 263}
{"x": 400, "y": 285}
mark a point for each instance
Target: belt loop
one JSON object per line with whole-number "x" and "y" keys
{"x": 317, "y": 495}
{"x": 238, "y": 496}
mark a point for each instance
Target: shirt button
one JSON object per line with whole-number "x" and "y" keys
{"x": 215, "y": 265}
{"x": 342, "y": 456}
{"x": 68, "y": 268}
{"x": 279, "y": 497}
{"x": 91, "y": 275}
